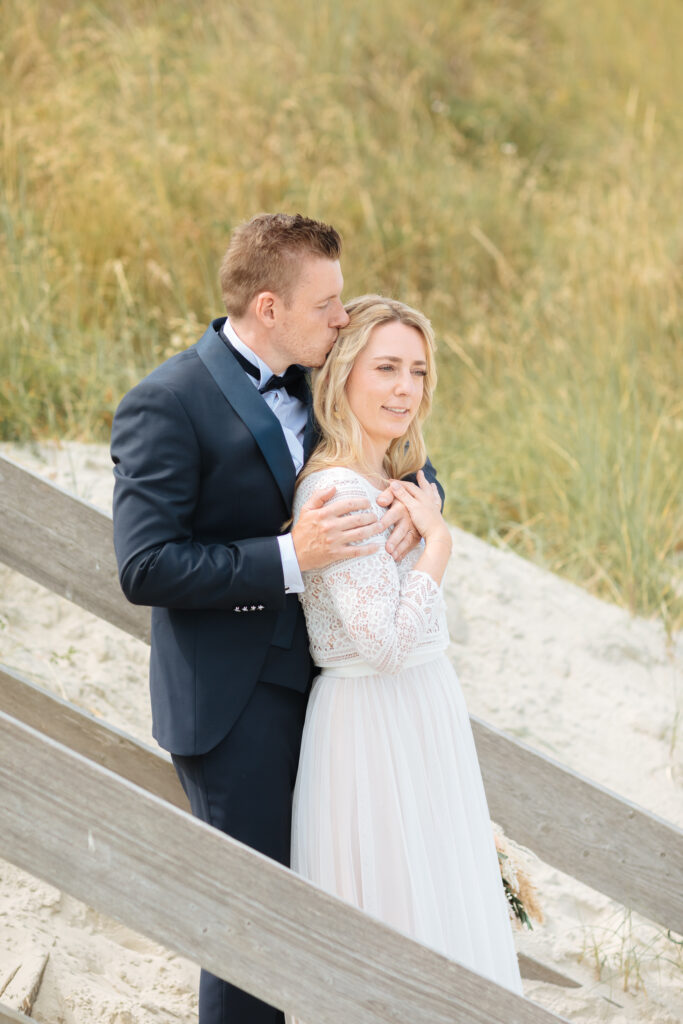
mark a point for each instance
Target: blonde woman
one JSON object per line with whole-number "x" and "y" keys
{"x": 389, "y": 807}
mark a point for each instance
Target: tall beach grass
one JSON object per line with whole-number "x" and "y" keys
{"x": 512, "y": 168}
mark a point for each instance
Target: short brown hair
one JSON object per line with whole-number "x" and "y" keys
{"x": 265, "y": 254}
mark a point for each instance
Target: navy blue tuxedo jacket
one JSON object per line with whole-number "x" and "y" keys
{"x": 204, "y": 481}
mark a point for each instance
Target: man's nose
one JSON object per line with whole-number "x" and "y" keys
{"x": 341, "y": 317}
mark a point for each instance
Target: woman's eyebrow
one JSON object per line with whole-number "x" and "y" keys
{"x": 397, "y": 359}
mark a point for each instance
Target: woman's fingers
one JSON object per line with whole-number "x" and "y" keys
{"x": 421, "y": 503}
{"x": 423, "y": 490}
{"x": 407, "y": 490}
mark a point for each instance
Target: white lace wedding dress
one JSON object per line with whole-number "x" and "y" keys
{"x": 389, "y": 807}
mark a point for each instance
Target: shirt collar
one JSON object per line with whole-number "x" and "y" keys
{"x": 263, "y": 368}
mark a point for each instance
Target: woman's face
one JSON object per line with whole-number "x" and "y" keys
{"x": 385, "y": 386}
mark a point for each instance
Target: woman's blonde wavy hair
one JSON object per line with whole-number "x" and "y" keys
{"x": 341, "y": 442}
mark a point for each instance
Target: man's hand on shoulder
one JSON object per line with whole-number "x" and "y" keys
{"x": 326, "y": 533}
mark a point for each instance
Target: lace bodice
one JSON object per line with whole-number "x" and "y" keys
{"x": 369, "y": 609}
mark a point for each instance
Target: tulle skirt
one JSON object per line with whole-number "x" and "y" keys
{"x": 390, "y": 813}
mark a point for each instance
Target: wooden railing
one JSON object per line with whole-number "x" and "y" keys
{"x": 175, "y": 879}
{"x": 10, "y": 1016}
{"x": 571, "y": 822}
{"x": 145, "y": 766}
{"x": 66, "y": 545}
{"x": 240, "y": 911}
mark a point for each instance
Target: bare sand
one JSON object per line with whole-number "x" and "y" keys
{"x": 539, "y": 658}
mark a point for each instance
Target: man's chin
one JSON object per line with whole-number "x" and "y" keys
{"x": 321, "y": 360}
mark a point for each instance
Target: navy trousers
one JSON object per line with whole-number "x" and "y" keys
{"x": 244, "y": 787}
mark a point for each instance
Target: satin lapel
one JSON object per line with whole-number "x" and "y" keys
{"x": 249, "y": 406}
{"x": 311, "y": 433}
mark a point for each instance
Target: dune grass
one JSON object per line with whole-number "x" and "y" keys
{"x": 509, "y": 167}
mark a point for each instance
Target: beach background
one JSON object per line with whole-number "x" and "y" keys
{"x": 513, "y": 169}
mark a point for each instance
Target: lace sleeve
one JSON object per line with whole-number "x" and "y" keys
{"x": 383, "y": 614}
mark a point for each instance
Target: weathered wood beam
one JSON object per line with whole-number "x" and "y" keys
{"x": 572, "y": 823}
{"x": 90, "y": 736}
{"x": 20, "y": 994}
{"x": 206, "y": 896}
{"x": 10, "y": 1016}
{"x": 582, "y": 828}
{"x": 142, "y": 765}
{"x": 65, "y": 544}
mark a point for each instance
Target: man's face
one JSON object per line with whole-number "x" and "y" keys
{"x": 309, "y": 325}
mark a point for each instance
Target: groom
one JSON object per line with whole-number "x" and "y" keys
{"x": 206, "y": 450}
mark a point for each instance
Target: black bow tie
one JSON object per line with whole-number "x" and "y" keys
{"x": 293, "y": 380}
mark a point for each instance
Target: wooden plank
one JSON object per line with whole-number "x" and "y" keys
{"x": 20, "y": 994}
{"x": 533, "y": 970}
{"x": 10, "y": 1016}
{"x": 570, "y": 822}
{"x": 582, "y": 828}
{"x": 142, "y": 765}
{"x": 89, "y": 736}
{"x": 243, "y": 917}
{"x": 64, "y": 544}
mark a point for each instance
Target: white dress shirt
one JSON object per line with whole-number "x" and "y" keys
{"x": 292, "y": 415}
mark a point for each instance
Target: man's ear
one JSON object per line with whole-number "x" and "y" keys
{"x": 264, "y": 308}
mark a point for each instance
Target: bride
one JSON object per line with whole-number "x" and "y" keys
{"x": 389, "y": 807}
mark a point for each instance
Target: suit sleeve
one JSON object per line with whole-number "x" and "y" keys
{"x": 157, "y": 463}
{"x": 430, "y": 474}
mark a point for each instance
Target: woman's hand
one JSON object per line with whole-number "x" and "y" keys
{"x": 423, "y": 502}
{"x": 403, "y": 537}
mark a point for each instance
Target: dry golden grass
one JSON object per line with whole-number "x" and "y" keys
{"x": 512, "y": 169}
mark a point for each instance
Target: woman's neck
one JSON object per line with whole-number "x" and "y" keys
{"x": 372, "y": 467}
